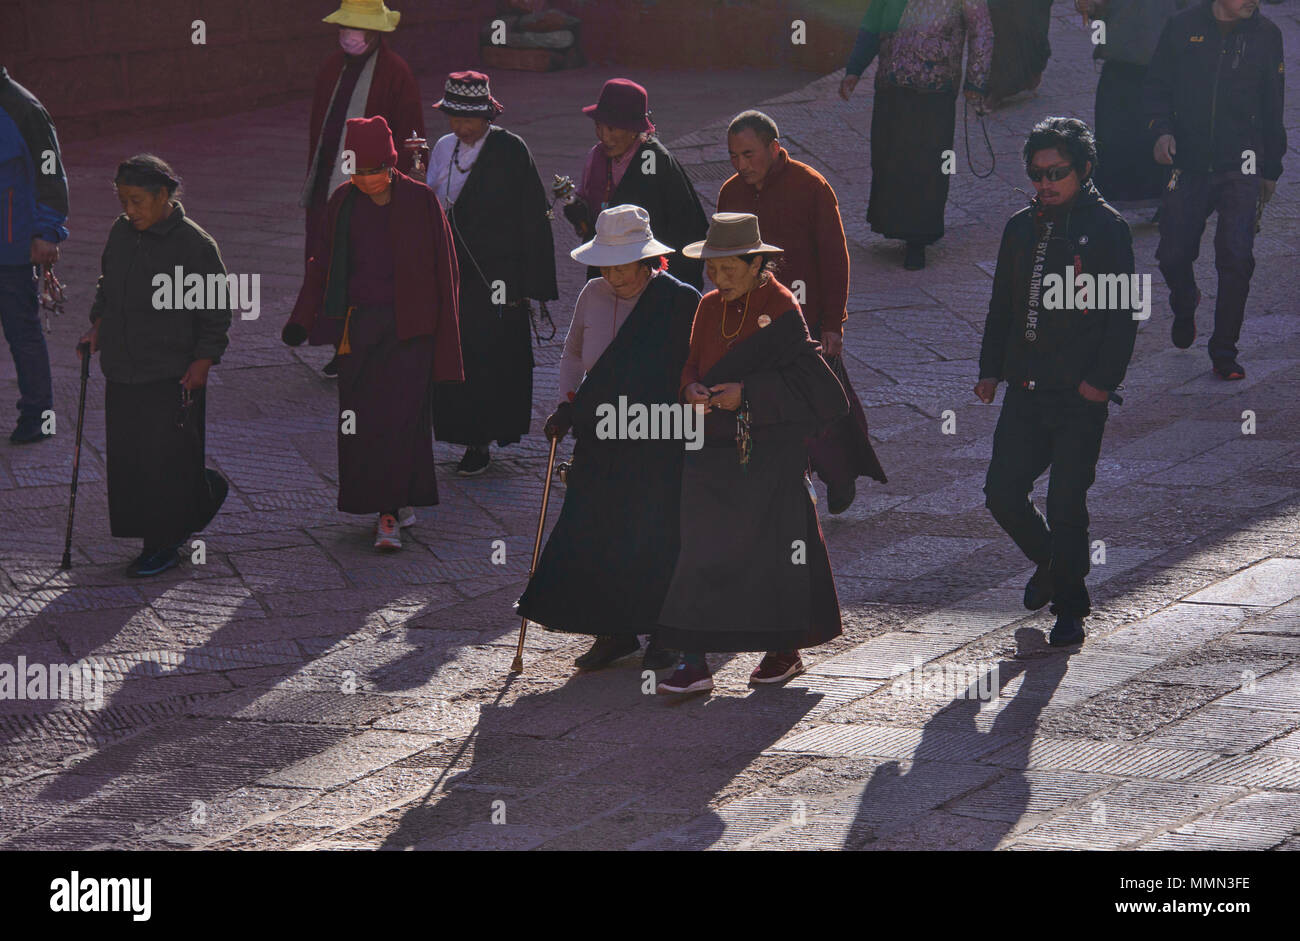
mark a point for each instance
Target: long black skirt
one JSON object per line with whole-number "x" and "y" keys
{"x": 752, "y": 573}
{"x": 386, "y": 461}
{"x": 1126, "y": 169}
{"x": 910, "y": 130}
{"x": 1020, "y": 45}
{"x": 495, "y": 402}
{"x": 158, "y": 488}
{"x": 607, "y": 563}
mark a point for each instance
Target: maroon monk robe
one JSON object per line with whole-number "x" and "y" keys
{"x": 393, "y": 94}
{"x": 425, "y": 286}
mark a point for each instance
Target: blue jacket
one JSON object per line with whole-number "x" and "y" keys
{"x": 33, "y": 204}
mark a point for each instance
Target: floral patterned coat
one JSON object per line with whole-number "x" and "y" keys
{"x": 925, "y": 53}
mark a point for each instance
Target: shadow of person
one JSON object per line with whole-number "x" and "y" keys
{"x": 44, "y": 640}
{"x": 595, "y": 764}
{"x": 286, "y": 710}
{"x": 896, "y": 806}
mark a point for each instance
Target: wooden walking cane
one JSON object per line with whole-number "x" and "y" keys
{"x": 518, "y": 665}
{"x": 84, "y": 350}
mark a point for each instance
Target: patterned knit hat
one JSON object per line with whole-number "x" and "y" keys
{"x": 468, "y": 95}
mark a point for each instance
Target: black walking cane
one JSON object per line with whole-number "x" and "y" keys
{"x": 83, "y": 349}
{"x": 518, "y": 665}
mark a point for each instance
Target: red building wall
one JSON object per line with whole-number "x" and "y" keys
{"x": 99, "y": 65}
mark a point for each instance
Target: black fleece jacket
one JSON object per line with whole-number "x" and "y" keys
{"x": 1218, "y": 95}
{"x": 1055, "y": 347}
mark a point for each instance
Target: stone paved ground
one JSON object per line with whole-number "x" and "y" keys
{"x": 298, "y": 690}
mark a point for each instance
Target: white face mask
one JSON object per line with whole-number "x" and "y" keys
{"x": 353, "y": 41}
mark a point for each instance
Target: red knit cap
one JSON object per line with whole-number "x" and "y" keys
{"x": 371, "y": 141}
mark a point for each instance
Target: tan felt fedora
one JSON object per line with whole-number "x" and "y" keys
{"x": 730, "y": 233}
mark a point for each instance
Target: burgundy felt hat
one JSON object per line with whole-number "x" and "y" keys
{"x": 468, "y": 95}
{"x": 623, "y": 104}
{"x": 371, "y": 141}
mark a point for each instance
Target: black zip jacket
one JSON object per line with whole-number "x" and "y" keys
{"x": 1218, "y": 95}
{"x": 1055, "y": 347}
{"x": 139, "y": 342}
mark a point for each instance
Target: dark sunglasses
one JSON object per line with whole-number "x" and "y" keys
{"x": 1053, "y": 174}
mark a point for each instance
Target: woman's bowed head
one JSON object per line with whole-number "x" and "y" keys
{"x": 622, "y": 116}
{"x": 371, "y": 142}
{"x": 737, "y": 261}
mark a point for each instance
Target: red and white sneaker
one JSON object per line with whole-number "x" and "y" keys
{"x": 687, "y": 679}
{"x": 777, "y": 667}
{"x": 387, "y": 533}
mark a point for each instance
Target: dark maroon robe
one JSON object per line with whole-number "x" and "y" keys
{"x": 425, "y": 280}
{"x": 396, "y": 351}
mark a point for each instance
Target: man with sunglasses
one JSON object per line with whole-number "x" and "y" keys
{"x": 1213, "y": 97}
{"x": 1061, "y": 361}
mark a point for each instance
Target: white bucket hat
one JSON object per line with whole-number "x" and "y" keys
{"x": 622, "y": 236}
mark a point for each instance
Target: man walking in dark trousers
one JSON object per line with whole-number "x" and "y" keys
{"x": 1063, "y": 344}
{"x": 33, "y": 210}
{"x": 1213, "y": 97}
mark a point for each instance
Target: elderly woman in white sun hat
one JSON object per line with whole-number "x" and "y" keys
{"x": 607, "y": 563}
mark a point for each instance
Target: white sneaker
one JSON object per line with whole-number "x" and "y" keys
{"x": 406, "y": 516}
{"x": 387, "y": 533}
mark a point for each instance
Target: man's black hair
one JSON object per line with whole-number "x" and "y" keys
{"x": 1072, "y": 137}
{"x": 762, "y": 126}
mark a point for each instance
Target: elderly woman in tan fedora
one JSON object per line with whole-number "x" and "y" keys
{"x": 752, "y": 573}
{"x": 607, "y": 563}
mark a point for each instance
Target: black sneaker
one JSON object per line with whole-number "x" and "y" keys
{"x": 914, "y": 257}
{"x": 607, "y": 649}
{"x": 1068, "y": 630}
{"x": 331, "y": 368}
{"x": 1229, "y": 369}
{"x": 28, "y": 430}
{"x": 1183, "y": 332}
{"x": 1039, "y": 590}
{"x": 475, "y": 462}
{"x": 154, "y": 562}
{"x": 658, "y": 658}
{"x": 839, "y": 496}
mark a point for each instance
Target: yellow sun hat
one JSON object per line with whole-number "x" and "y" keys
{"x": 365, "y": 14}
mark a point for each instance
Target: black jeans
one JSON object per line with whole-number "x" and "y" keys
{"x": 1036, "y": 430}
{"x": 1183, "y": 215}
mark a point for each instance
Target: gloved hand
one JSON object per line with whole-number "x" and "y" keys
{"x": 293, "y": 334}
{"x": 577, "y": 213}
{"x": 560, "y": 421}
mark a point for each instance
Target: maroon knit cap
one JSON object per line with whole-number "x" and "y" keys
{"x": 371, "y": 141}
